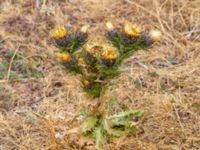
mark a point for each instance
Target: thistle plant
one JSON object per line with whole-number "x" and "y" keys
{"x": 98, "y": 63}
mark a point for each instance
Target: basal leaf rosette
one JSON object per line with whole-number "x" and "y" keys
{"x": 103, "y": 125}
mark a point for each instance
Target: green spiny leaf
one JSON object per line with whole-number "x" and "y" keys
{"x": 99, "y": 135}
{"x": 109, "y": 104}
{"x": 132, "y": 113}
{"x": 118, "y": 132}
{"x": 89, "y": 124}
{"x": 124, "y": 118}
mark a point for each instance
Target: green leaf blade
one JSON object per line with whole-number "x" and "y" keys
{"x": 89, "y": 124}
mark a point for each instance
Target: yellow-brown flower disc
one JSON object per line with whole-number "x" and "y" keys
{"x": 86, "y": 83}
{"x": 137, "y": 29}
{"x": 110, "y": 54}
{"x": 132, "y": 30}
{"x": 59, "y": 32}
{"x": 93, "y": 49}
{"x": 65, "y": 57}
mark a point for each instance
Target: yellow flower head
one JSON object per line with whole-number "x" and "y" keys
{"x": 155, "y": 35}
{"x": 86, "y": 83}
{"x": 110, "y": 54}
{"x": 84, "y": 29}
{"x": 132, "y": 30}
{"x": 136, "y": 28}
{"x": 59, "y": 32}
{"x": 65, "y": 57}
{"x": 93, "y": 49}
{"x": 109, "y": 26}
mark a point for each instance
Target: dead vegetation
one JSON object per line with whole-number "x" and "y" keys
{"x": 41, "y": 111}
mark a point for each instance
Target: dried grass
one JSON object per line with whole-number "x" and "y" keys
{"x": 164, "y": 82}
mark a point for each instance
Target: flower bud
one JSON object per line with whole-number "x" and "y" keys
{"x": 84, "y": 29}
{"x": 112, "y": 31}
{"x": 109, "y": 57}
{"x": 59, "y": 32}
{"x": 67, "y": 59}
{"x": 109, "y": 26}
{"x": 60, "y": 35}
{"x": 155, "y": 35}
{"x": 87, "y": 84}
{"x": 152, "y": 37}
{"x": 82, "y": 34}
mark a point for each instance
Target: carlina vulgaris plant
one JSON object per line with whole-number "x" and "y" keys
{"x": 126, "y": 41}
{"x": 98, "y": 63}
